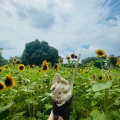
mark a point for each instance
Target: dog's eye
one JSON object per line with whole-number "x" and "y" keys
{"x": 53, "y": 89}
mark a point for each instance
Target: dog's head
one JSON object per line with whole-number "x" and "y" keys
{"x": 60, "y": 90}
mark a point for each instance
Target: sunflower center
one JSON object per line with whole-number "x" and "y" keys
{"x": 100, "y": 78}
{"x": 0, "y": 70}
{"x": 56, "y": 66}
{"x": 45, "y": 67}
{"x": 21, "y": 67}
{"x": 1, "y": 86}
{"x": 100, "y": 53}
{"x": 8, "y": 82}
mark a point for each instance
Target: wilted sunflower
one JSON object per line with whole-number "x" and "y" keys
{"x": 14, "y": 60}
{"x": 6, "y": 67}
{"x": 118, "y": 61}
{"x": 45, "y": 67}
{"x": 21, "y": 67}
{"x": 2, "y": 86}
{"x": 100, "y": 53}
{"x": 9, "y": 81}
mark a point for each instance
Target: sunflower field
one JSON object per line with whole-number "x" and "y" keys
{"x": 25, "y": 90}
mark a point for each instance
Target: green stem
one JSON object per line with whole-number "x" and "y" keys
{"x": 29, "y": 110}
{"x": 106, "y": 100}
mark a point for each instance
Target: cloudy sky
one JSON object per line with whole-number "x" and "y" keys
{"x": 71, "y": 26}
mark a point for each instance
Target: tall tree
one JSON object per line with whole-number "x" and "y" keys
{"x": 36, "y": 52}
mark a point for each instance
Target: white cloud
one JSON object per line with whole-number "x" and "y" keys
{"x": 66, "y": 25}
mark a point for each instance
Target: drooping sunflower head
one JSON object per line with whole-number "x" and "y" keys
{"x": 100, "y": 53}
{"x": 14, "y": 60}
{"x": 45, "y": 67}
{"x": 6, "y": 67}
{"x": 9, "y": 81}
{"x": 2, "y": 86}
{"x": 21, "y": 67}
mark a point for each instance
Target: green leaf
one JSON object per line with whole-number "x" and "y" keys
{"x": 48, "y": 106}
{"x": 6, "y": 107}
{"x": 100, "y": 86}
{"x": 4, "y": 114}
{"x": 18, "y": 115}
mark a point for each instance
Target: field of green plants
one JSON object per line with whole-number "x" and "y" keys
{"x": 25, "y": 91}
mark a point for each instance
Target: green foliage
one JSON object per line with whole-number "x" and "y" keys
{"x": 2, "y": 60}
{"x": 36, "y": 52}
{"x": 88, "y": 60}
{"x": 93, "y": 98}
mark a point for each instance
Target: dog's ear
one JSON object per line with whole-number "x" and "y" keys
{"x": 56, "y": 78}
{"x": 63, "y": 81}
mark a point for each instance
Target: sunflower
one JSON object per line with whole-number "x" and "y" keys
{"x": 68, "y": 58}
{"x": 100, "y": 77}
{"x": 45, "y": 67}
{"x": 119, "y": 77}
{"x": 78, "y": 69}
{"x": 18, "y": 62}
{"x": 21, "y": 67}
{"x": 6, "y": 67}
{"x": 113, "y": 60}
{"x": 100, "y": 53}
{"x": 2, "y": 86}
{"x": 28, "y": 66}
{"x": 85, "y": 71}
{"x": 109, "y": 77}
{"x": 14, "y": 60}
{"x": 94, "y": 76}
{"x": 0, "y": 70}
{"x": 72, "y": 56}
{"x": 9, "y": 81}
{"x": 56, "y": 67}
{"x": 44, "y": 62}
{"x": 60, "y": 60}
{"x": 118, "y": 61}
{"x": 75, "y": 56}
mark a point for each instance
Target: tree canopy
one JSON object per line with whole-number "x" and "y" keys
{"x": 36, "y": 52}
{"x": 2, "y": 60}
